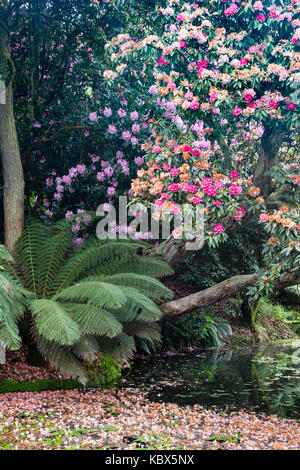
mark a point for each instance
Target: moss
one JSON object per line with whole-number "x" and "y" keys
{"x": 7, "y": 386}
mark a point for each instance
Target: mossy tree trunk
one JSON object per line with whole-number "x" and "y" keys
{"x": 12, "y": 170}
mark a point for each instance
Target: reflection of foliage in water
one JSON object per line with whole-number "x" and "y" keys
{"x": 265, "y": 380}
{"x": 278, "y": 379}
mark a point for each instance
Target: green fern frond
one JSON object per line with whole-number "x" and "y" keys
{"x": 61, "y": 358}
{"x": 12, "y": 306}
{"x": 53, "y": 322}
{"x": 5, "y": 255}
{"x": 93, "y": 254}
{"x": 146, "y": 284}
{"x": 101, "y": 294}
{"x": 27, "y": 252}
{"x": 146, "y": 309}
{"x": 94, "y": 320}
{"x": 142, "y": 330}
{"x": 87, "y": 348}
{"x": 51, "y": 257}
{"x": 121, "y": 348}
{"x": 136, "y": 264}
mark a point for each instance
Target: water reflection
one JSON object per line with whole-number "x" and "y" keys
{"x": 265, "y": 380}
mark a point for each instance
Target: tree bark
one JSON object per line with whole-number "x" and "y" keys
{"x": 270, "y": 144}
{"x": 12, "y": 170}
{"x": 222, "y": 291}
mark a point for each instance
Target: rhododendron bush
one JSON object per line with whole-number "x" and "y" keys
{"x": 168, "y": 102}
{"x": 218, "y": 82}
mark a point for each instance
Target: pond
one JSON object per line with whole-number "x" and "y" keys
{"x": 260, "y": 380}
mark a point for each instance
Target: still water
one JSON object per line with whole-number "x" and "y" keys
{"x": 261, "y": 380}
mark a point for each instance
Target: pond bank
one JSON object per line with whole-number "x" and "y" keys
{"x": 96, "y": 419}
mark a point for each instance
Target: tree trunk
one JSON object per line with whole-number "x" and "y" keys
{"x": 222, "y": 291}
{"x": 12, "y": 170}
{"x": 270, "y": 144}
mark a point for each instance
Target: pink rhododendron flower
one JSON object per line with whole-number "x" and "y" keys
{"x": 139, "y": 161}
{"x": 126, "y": 135}
{"x": 93, "y": 117}
{"x": 174, "y": 187}
{"x": 218, "y": 228}
{"x": 111, "y": 191}
{"x": 218, "y": 203}
{"x": 174, "y": 172}
{"x": 134, "y": 116}
{"x": 236, "y": 111}
{"x": 264, "y": 217}
{"x": 112, "y": 129}
{"x": 273, "y": 104}
{"x": 153, "y": 90}
{"x": 194, "y": 105}
{"x": 161, "y": 60}
{"x": 234, "y": 174}
{"x": 232, "y": 10}
{"x": 196, "y": 200}
{"x": 235, "y": 189}
{"x": 248, "y": 98}
{"x": 260, "y": 18}
{"x": 122, "y": 112}
{"x": 258, "y": 6}
{"x": 156, "y": 149}
{"x": 107, "y": 112}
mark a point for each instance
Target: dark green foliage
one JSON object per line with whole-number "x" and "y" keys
{"x": 75, "y": 309}
{"x": 195, "y": 329}
{"x": 239, "y": 255}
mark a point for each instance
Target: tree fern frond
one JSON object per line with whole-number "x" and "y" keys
{"x": 101, "y": 294}
{"x": 61, "y": 358}
{"x": 120, "y": 348}
{"x": 13, "y": 297}
{"x": 5, "y": 255}
{"x": 146, "y": 284}
{"x": 94, "y": 320}
{"x": 93, "y": 254}
{"x": 145, "y": 308}
{"x": 51, "y": 258}
{"x": 27, "y": 252}
{"x": 142, "y": 330}
{"x": 136, "y": 264}
{"x": 87, "y": 348}
{"x": 9, "y": 335}
{"x": 53, "y": 322}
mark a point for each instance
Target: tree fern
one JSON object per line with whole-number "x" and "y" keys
{"x": 98, "y": 298}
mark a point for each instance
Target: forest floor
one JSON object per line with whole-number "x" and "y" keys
{"x": 94, "y": 419}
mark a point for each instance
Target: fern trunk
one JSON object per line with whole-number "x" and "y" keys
{"x": 13, "y": 177}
